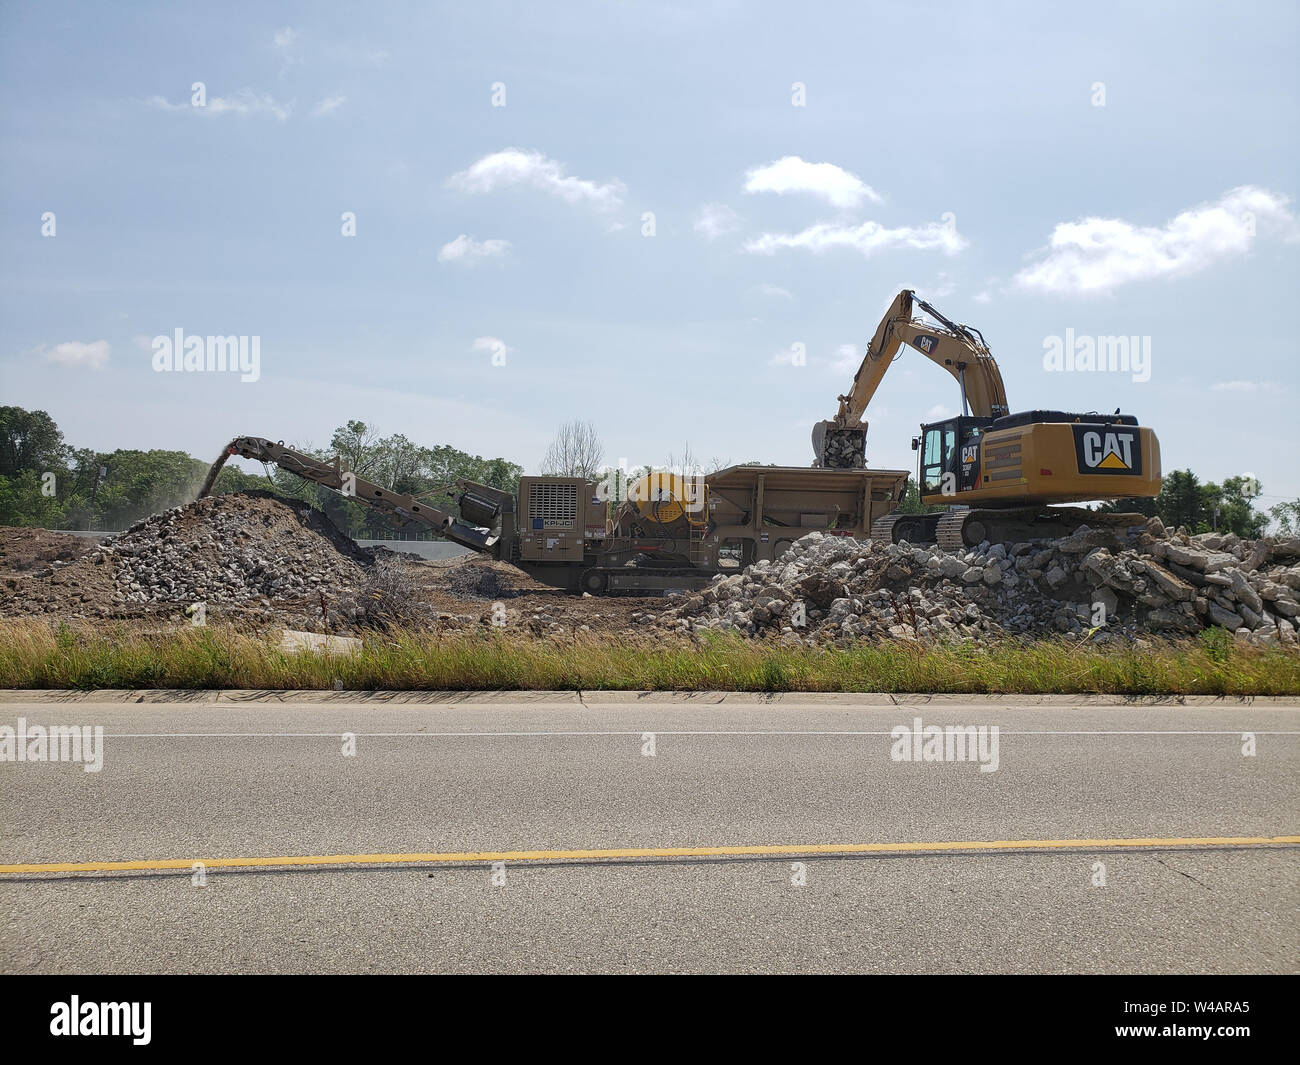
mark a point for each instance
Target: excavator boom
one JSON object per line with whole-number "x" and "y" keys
{"x": 959, "y": 349}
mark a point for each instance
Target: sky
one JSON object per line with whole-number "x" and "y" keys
{"x": 471, "y": 223}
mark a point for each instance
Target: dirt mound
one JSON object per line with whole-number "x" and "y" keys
{"x": 24, "y": 550}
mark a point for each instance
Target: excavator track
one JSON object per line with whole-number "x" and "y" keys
{"x": 882, "y": 529}
{"x": 914, "y": 528}
{"x": 960, "y": 529}
{"x": 948, "y": 533}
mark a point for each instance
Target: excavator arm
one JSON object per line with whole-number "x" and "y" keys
{"x": 481, "y": 507}
{"x": 959, "y": 349}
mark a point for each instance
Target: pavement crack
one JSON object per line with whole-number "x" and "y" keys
{"x": 1181, "y": 873}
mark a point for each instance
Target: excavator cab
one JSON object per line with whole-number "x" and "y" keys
{"x": 950, "y": 448}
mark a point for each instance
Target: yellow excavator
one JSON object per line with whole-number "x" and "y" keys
{"x": 998, "y": 473}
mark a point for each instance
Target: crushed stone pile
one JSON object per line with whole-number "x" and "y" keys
{"x": 246, "y": 554}
{"x": 1094, "y": 581}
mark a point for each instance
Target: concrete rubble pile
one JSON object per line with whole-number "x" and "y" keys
{"x": 1094, "y": 581}
{"x": 238, "y": 555}
{"x": 842, "y": 450}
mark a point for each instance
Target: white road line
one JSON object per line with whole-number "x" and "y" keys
{"x": 660, "y": 732}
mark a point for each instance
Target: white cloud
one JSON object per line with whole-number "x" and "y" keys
{"x": 938, "y": 413}
{"x": 716, "y": 220}
{"x": 792, "y": 174}
{"x": 942, "y": 288}
{"x": 983, "y": 297}
{"x": 1234, "y": 386}
{"x": 285, "y": 43}
{"x": 74, "y": 353}
{"x": 244, "y": 102}
{"x": 867, "y": 238}
{"x": 328, "y": 105}
{"x": 1100, "y": 254}
{"x": 843, "y": 363}
{"x": 773, "y": 292}
{"x": 514, "y": 166}
{"x": 465, "y": 249}
{"x": 848, "y": 357}
{"x": 248, "y": 102}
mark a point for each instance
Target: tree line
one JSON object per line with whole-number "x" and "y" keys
{"x": 47, "y": 483}
{"x": 1184, "y": 501}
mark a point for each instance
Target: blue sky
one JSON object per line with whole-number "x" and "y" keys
{"x": 1111, "y": 169}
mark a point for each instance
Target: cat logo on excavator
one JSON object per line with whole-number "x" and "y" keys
{"x": 1106, "y": 449}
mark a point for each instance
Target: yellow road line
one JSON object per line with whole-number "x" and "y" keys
{"x": 159, "y": 864}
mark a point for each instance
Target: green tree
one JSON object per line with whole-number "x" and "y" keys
{"x": 23, "y": 503}
{"x": 399, "y": 464}
{"x": 112, "y": 490}
{"x": 1287, "y": 516}
{"x": 358, "y": 445}
{"x": 29, "y": 440}
{"x": 233, "y": 479}
{"x": 1182, "y": 501}
{"x": 140, "y": 483}
{"x": 911, "y": 502}
{"x": 1233, "y": 502}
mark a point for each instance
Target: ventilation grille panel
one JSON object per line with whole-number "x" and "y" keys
{"x": 555, "y": 504}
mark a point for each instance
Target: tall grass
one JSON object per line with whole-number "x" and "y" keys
{"x": 34, "y": 654}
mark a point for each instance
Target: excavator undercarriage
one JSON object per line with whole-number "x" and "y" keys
{"x": 956, "y": 530}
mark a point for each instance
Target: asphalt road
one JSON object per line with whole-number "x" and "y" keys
{"x": 213, "y": 782}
